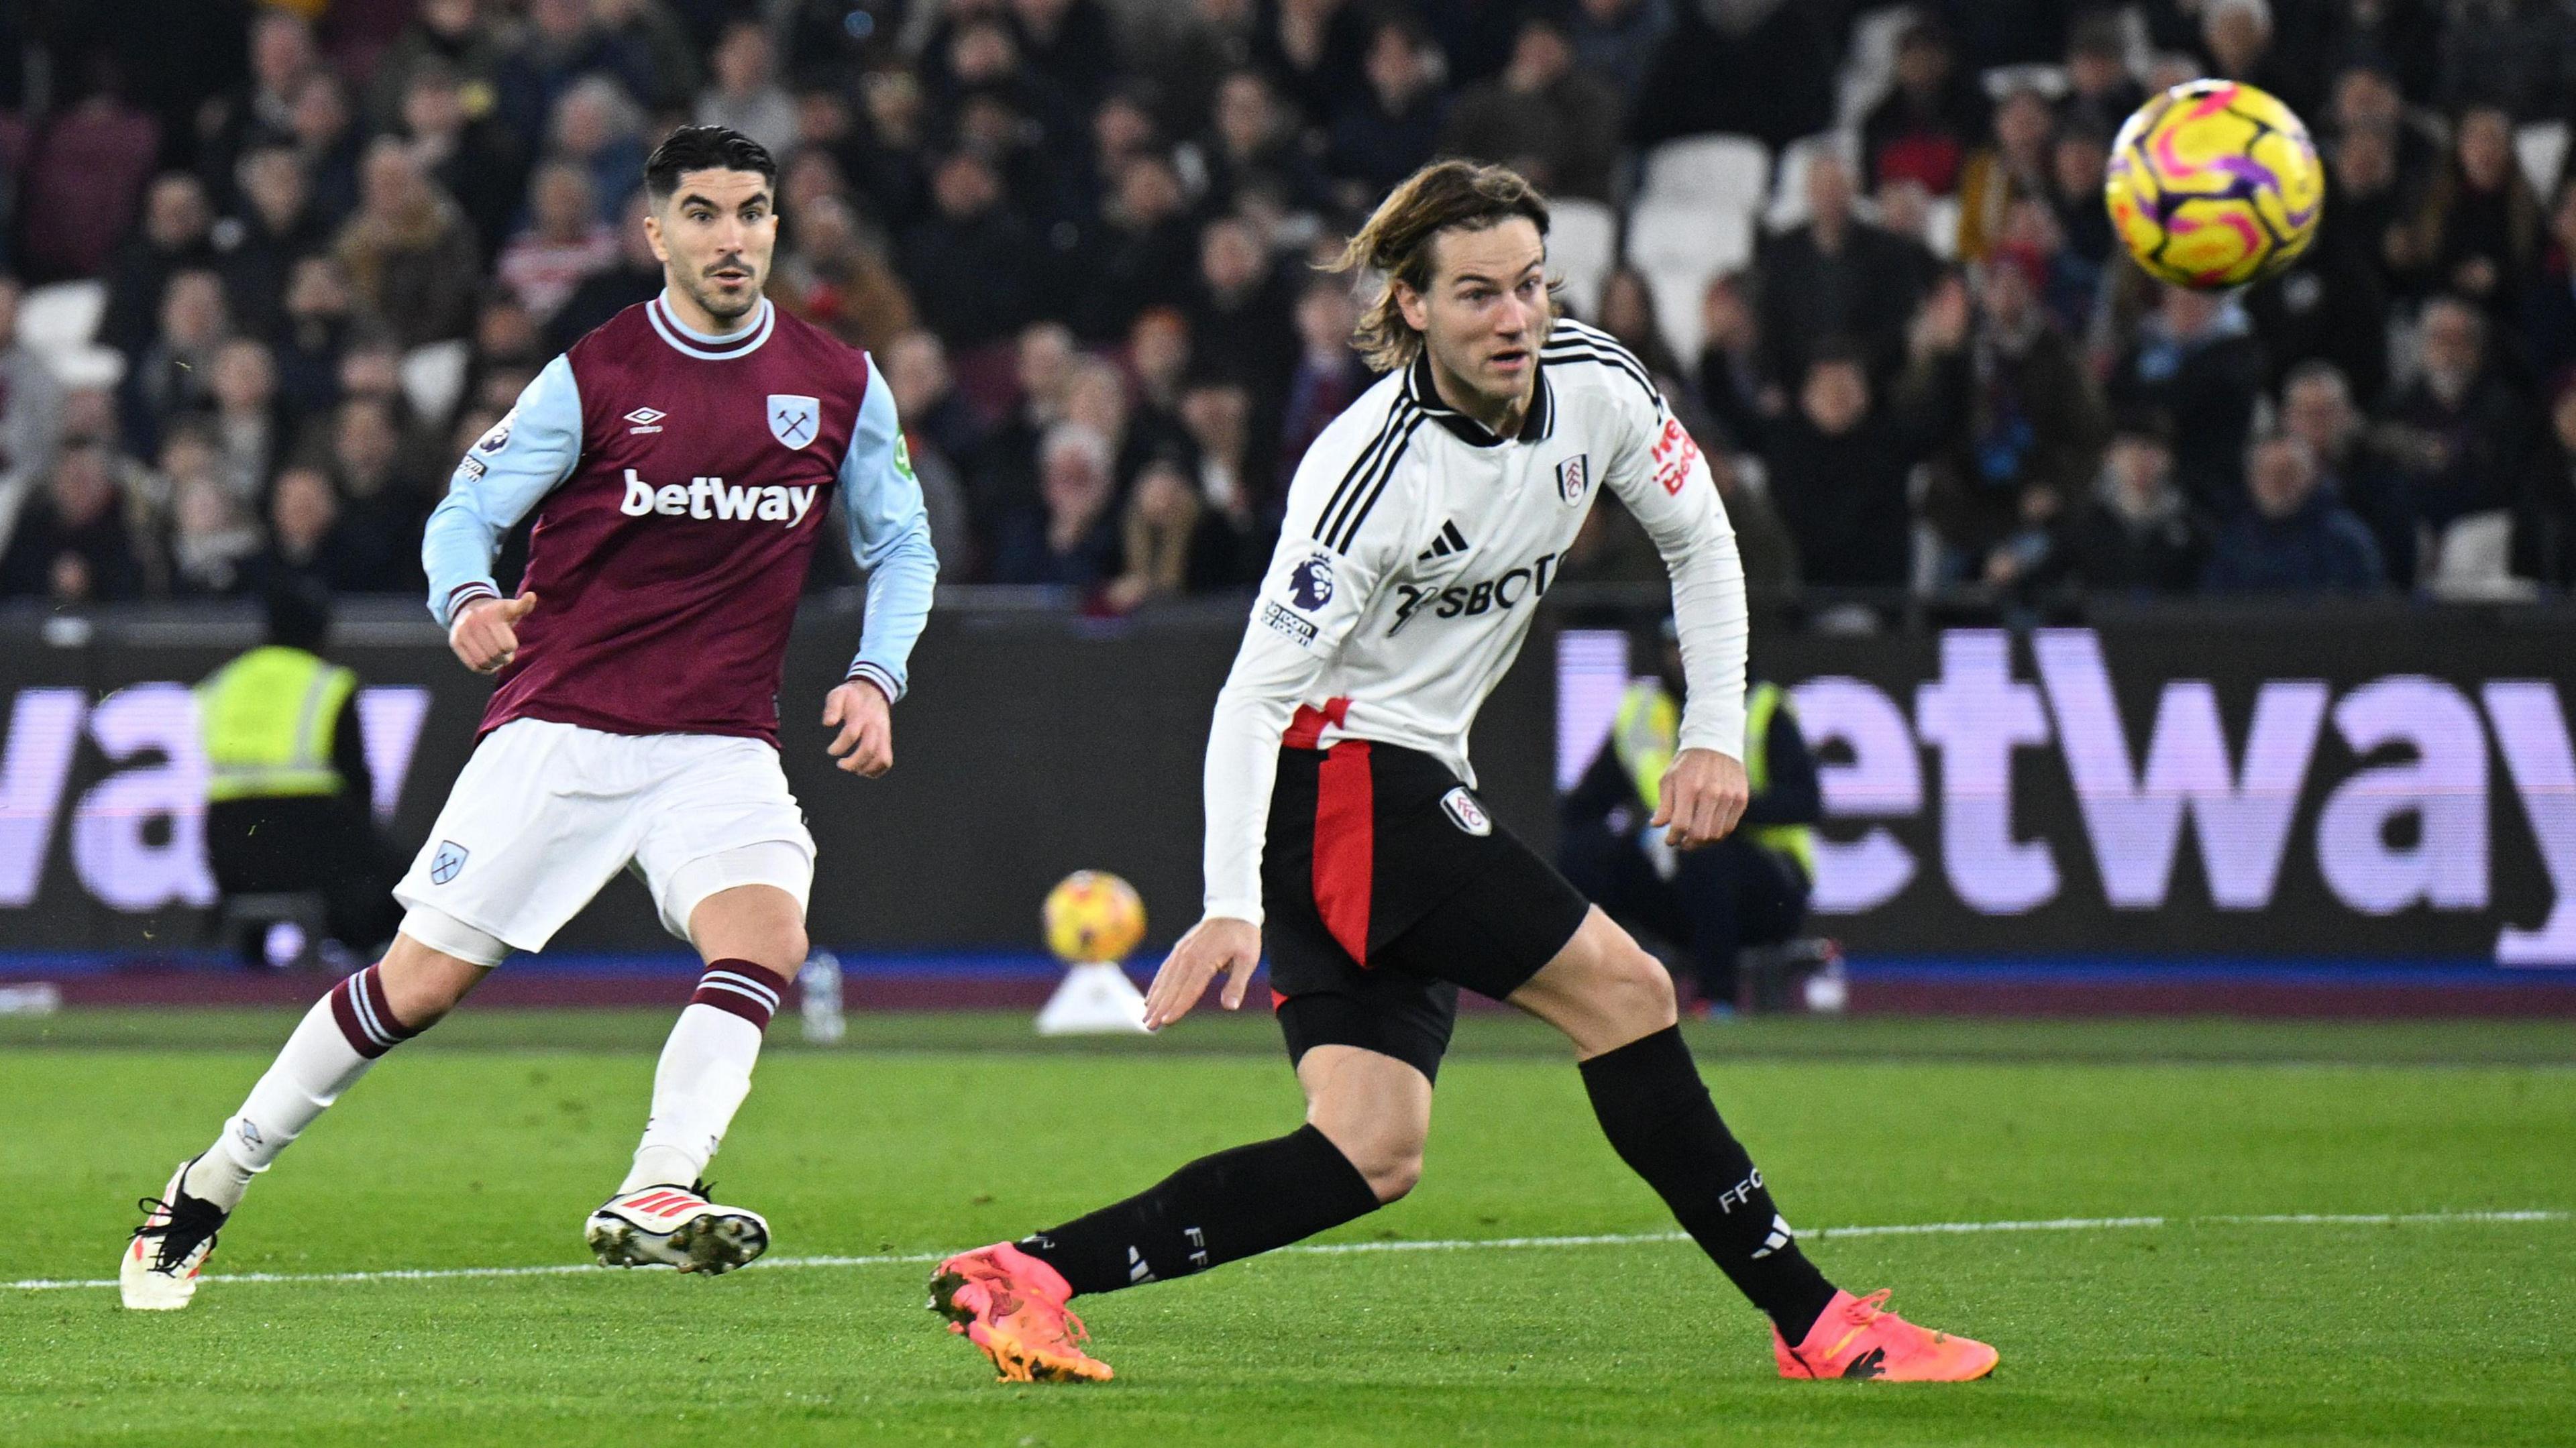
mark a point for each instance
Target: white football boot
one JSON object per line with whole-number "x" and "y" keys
{"x": 160, "y": 1267}
{"x": 673, "y": 1226}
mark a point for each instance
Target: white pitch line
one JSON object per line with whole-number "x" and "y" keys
{"x": 1462, "y": 1244}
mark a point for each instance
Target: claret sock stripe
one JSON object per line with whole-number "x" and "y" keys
{"x": 358, "y": 1005}
{"x": 741, "y": 988}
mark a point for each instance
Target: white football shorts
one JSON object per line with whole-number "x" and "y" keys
{"x": 545, "y": 813}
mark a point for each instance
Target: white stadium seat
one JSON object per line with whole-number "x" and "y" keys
{"x": 2471, "y": 561}
{"x": 433, "y": 376}
{"x": 1870, "y": 69}
{"x": 62, "y": 316}
{"x": 59, "y": 322}
{"x": 2002, "y": 80}
{"x": 2542, "y": 148}
{"x": 1662, "y": 235}
{"x": 1725, "y": 173}
{"x": 1679, "y": 248}
{"x": 1583, "y": 245}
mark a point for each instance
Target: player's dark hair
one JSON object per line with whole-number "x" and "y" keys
{"x": 1396, "y": 242}
{"x": 704, "y": 148}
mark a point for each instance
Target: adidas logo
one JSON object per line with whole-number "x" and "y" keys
{"x": 1450, "y": 541}
{"x": 1779, "y": 1238}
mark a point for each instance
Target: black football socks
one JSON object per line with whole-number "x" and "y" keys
{"x": 1235, "y": 1204}
{"x": 1658, "y": 1116}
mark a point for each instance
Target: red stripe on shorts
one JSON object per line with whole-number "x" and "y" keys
{"x": 1345, "y": 844}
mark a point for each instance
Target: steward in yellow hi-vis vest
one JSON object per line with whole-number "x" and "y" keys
{"x": 289, "y": 799}
{"x": 1747, "y": 889}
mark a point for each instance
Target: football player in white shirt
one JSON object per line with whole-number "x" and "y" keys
{"x": 1421, "y": 529}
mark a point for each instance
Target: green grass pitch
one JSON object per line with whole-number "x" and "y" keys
{"x": 484, "y": 1145}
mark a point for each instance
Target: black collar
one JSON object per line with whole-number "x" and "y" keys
{"x": 1537, "y": 424}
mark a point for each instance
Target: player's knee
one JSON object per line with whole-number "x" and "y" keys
{"x": 761, "y": 923}
{"x": 1636, "y": 989}
{"x": 422, "y": 996}
{"x": 793, "y": 947}
{"x": 426, "y": 1000}
{"x": 1390, "y": 1165}
{"x": 1383, "y": 1146}
{"x": 1395, "y": 1177}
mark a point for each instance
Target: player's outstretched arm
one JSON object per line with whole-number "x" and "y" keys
{"x": 1218, "y": 944}
{"x": 860, "y": 710}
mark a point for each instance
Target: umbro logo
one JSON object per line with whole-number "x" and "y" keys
{"x": 1450, "y": 541}
{"x": 646, "y": 419}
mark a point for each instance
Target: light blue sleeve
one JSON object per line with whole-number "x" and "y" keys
{"x": 890, "y": 538}
{"x": 506, "y": 473}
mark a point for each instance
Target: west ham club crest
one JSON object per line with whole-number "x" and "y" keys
{"x": 444, "y": 865}
{"x": 794, "y": 420}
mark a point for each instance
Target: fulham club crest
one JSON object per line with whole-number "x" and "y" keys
{"x": 794, "y": 420}
{"x": 1466, "y": 812}
{"x": 1572, "y": 476}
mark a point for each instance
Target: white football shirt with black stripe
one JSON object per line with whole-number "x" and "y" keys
{"x": 1415, "y": 550}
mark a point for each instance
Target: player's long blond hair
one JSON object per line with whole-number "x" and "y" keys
{"x": 1396, "y": 243}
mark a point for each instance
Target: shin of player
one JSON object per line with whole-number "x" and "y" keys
{"x": 1345, "y": 834}
{"x": 753, "y": 937}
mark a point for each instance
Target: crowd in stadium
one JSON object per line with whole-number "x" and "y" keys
{"x": 1081, "y": 237}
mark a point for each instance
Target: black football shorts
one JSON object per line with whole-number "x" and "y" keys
{"x": 1388, "y": 887}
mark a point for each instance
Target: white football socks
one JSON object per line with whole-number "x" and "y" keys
{"x": 703, "y": 1076}
{"x": 331, "y": 1048}
{"x": 705, "y": 1072}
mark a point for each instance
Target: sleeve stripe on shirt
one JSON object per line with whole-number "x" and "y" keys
{"x": 1570, "y": 333}
{"x": 1352, "y": 482}
{"x": 1573, "y": 352}
{"x": 1350, "y": 532}
{"x": 1572, "y": 341}
{"x": 1338, "y": 533}
{"x": 879, "y": 677}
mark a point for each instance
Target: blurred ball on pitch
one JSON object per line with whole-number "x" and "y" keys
{"x": 1092, "y": 915}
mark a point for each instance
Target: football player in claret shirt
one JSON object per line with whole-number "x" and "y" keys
{"x": 1422, "y": 527}
{"x": 681, "y": 461}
